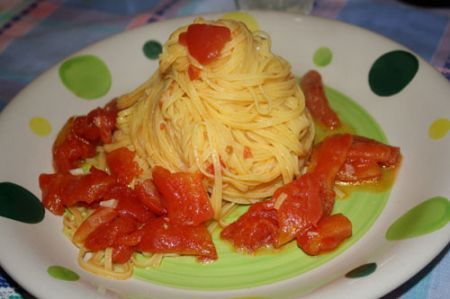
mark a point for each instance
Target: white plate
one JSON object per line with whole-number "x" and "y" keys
{"x": 27, "y": 251}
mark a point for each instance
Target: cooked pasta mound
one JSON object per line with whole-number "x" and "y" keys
{"x": 242, "y": 122}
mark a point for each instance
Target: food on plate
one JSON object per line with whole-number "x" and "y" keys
{"x": 222, "y": 123}
{"x": 316, "y": 100}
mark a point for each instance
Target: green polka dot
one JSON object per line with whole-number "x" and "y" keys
{"x": 439, "y": 128}
{"x": 361, "y": 271}
{"x": 323, "y": 56}
{"x": 62, "y": 273}
{"x": 40, "y": 126}
{"x": 392, "y": 72}
{"x": 87, "y": 76}
{"x": 425, "y": 218}
{"x": 20, "y": 204}
{"x": 152, "y": 49}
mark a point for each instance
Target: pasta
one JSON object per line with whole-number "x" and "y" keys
{"x": 242, "y": 122}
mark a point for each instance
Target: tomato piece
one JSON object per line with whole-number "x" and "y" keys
{"x": 328, "y": 156}
{"x": 84, "y": 129}
{"x": 163, "y": 236}
{"x": 80, "y": 135}
{"x": 365, "y": 159}
{"x": 69, "y": 149}
{"x": 87, "y": 188}
{"x": 111, "y": 107}
{"x": 95, "y": 220}
{"x": 368, "y": 149}
{"x": 64, "y": 189}
{"x": 107, "y": 233}
{"x": 102, "y": 238}
{"x": 148, "y": 194}
{"x": 330, "y": 232}
{"x": 205, "y": 42}
{"x": 358, "y": 171}
{"x": 301, "y": 207}
{"x": 105, "y": 121}
{"x": 128, "y": 203}
{"x": 184, "y": 196}
{"x": 52, "y": 187}
{"x": 316, "y": 101}
{"x": 131, "y": 239}
{"x": 326, "y": 160}
{"x": 256, "y": 228}
{"x": 121, "y": 254}
{"x": 98, "y": 125}
{"x": 122, "y": 165}
{"x": 193, "y": 72}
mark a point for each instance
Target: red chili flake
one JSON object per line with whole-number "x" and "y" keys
{"x": 229, "y": 149}
{"x": 194, "y": 72}
{"x": 247, "y": 152}
{"x": 210, "y": 169}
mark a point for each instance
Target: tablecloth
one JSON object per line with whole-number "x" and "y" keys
{"x": 35, "y": 35}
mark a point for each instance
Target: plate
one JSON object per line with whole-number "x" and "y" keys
{"x": 379, "y": 87}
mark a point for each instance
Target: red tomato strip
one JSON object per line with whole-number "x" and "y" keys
{"x": 369, "y": 149}
{"x": 147, "y": 193}
{"x": 358, "y": 171}
{"x": 121, "y": 254}
{"x": 163, "y": 236}
{"x": 317, "y": 102}
{"x": 80, "y": 135}
{"x": 184, "y": 196}
{"x": 301, "y": 209}
{"x": 327, "y": 236}
{"x": 130, "y": 240}
{"x": 129, "y": 203}
{"x": 365, "y": 160}
{"x": 97, "y": 126}
{"x": 64, "y": 189}
{"x": 256, "y": 228}
{"x": 121, "y": 164}
{"x": 69, "y": 149}
{"x": 326, "y": 160}
{"x": 95, "y": 220}
{"x": 107, "y": 233}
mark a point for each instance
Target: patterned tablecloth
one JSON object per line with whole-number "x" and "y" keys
{"x": 35, "y": 35}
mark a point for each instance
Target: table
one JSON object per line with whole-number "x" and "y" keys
{"x": 35, "y": 35}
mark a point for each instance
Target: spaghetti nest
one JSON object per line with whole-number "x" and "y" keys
{"x": 242, "y": 122}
